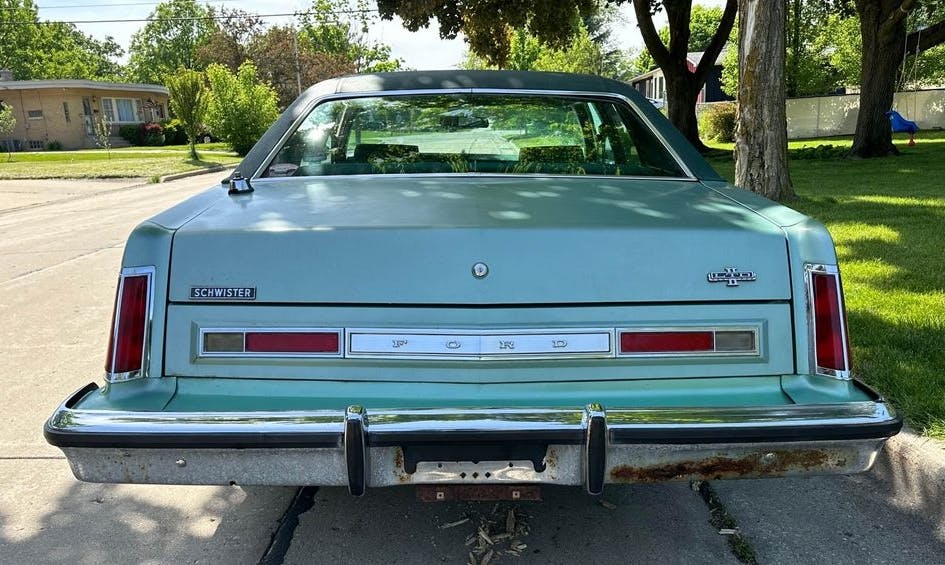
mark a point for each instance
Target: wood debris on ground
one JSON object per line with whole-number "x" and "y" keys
{"x": 497, "y": 534}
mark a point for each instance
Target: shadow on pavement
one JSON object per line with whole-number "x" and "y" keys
{"x": 98, "y": 524}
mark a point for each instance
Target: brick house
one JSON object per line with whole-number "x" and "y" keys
{"x": 66, "y": 110}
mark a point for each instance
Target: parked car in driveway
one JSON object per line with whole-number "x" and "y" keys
{"x": 558, "y": 291}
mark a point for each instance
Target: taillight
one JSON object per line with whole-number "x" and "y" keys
{"x": 694, "y": 342}
{"x": 828, "y": 324}
{"x": 127, "y": 344}
{"x": 292, "y": 342}
{"x": 271, "y": 342}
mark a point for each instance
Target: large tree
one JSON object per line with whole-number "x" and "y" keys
{"x": 35, "y": 49}
{"x": 287, "y": 60}
{"x": 761, "y": 130}
{"x": 228, "y": 45}
{"x": 339, "y": 28}
{"x": 883, "y": 30}
{"x": 682, "y": 84}
{"x": 175, "y": 31}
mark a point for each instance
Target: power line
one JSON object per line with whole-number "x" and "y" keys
{"x": 72, "y": 6}
{"x": 181, "y": 19}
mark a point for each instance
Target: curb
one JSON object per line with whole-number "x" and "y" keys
{"x": 198, "y": 172}
{"x": 914, "y": 467}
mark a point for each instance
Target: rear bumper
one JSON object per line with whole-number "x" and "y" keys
{"x": 362, "y": 448}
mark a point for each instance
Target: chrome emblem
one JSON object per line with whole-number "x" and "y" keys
{"x": 480, "y": 270}
{"x": 731, "y": 276}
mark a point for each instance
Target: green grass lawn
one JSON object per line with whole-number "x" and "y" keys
{"x": 887, "y": 217}
{"x": 147, "y": 162}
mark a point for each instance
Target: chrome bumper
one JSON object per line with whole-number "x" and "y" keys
{"x": 360, "y": 448}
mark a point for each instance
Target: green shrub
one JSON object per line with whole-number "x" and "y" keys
{"x": 174, "y": 133}
{"x": 54, "y": 146}
{"x": 129, "y": 132}
{"x": 241, "y": 107}
{"x": 717, "y": 121}
{"x": 822, "y": 151}
{"x": 151, "y": 134}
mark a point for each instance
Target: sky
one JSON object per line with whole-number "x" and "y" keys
{"x": 422, "y": 50}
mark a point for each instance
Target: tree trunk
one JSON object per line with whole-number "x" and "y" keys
{"x": 761, "y": 163}
{"x": 682, "y": 84}
{"x": 883, "y": 28}
{"x": 682, "y": 93}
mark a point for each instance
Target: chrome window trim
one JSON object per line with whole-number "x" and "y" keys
{"x": 148, "y": 321}
{"x": 276, "y": 180}
{"x": 307, "y": 110}
{"x": 756, "y": 329}
{"x": 479, "y": 356}
{"x": 810, "y": 269}
{"x": 203, "y": 354}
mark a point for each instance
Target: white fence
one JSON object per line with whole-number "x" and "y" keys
{"x": 836, "y": 115}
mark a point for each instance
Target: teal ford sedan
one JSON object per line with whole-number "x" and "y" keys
{"x": 474, "y": 278}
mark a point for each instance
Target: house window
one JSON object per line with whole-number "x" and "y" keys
{"x": 120, "y": 110}
{"x": 34, "y": 114}
{"x": 37, "y": 144}
{"x": 65, "y": 111}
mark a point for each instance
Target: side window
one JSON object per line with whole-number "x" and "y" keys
{"x": 308, "y": 148}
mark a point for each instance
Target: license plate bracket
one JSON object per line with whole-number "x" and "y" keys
{"x": 478, "y": 493}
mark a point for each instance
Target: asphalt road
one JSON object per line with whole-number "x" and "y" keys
{"x": 60, "y": 248}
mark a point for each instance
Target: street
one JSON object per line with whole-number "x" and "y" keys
{"x": 60, "y": 250}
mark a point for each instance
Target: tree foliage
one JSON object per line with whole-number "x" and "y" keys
{"x": 240, "y": 108}
{"x": 35, "y": 49}
{"x": 584, "y": 54}
{"x": 287, "y": 61}
{"x": 188, "y": 99}
{"x": 170, "y": 40}
{"x": 486, "y": 24}
{"x": 339, "y": 30}
{"x": 228, "y": 44}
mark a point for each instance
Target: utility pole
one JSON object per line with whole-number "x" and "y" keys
{"x": 298, "y": 67}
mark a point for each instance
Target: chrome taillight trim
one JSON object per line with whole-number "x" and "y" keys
{"x": 126, "y": 272}
{"x": 203, "y": 353}
{"x": 754, "y": 329}
{"x": 473, "y": 349}
{"x": 811, "y": 270}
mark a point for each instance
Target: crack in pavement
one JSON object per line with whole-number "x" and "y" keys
{"x": 59, "y": 264}
{"x": 725, "y": 523}
{"x": 281, "y": 539}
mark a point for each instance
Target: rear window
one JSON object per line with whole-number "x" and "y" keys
{"x": 478, "y": 133}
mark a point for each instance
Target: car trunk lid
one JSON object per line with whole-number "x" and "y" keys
{"x": 415, "y": 240}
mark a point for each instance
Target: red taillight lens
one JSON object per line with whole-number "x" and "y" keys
{"x": 829, "y": 319}
{"x": 129, "y": 325}
{"x": 666, "y": 342}
{"x": 292, "y": 342}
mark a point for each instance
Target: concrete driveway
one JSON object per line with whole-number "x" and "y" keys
{"x": 59, "y": 256}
